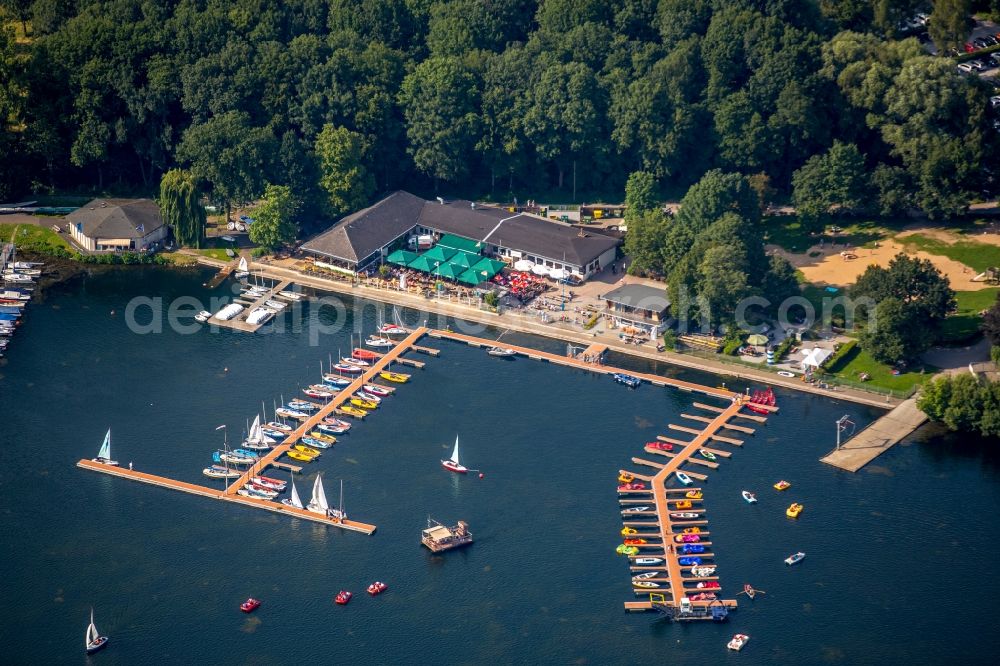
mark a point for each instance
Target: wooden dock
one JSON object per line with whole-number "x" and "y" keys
{"x": 271, "y": 458}
{"x": 594, "y": 353}
{"x": 878, "y": 437}
{"x": 558, "y": 359}
{"x": 239, "y": 322}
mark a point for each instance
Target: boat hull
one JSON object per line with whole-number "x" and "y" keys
{"x": 454, "y": 467}
{"x": 98, "y": 645}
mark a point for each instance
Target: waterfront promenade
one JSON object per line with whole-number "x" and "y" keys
{"x": 522, "y": 324}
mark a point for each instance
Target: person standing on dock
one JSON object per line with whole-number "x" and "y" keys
{"x": 130, "y": 465}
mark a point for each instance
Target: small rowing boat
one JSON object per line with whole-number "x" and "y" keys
{"x": 645, "y": 584}
{"x": 749, "y": 496}
{"x": 706, "y": 454}
{"x": 648, "y": 574}
{"x": 683, "y": 478}
{"x": 684, "y": 515}
{"x": 637, "y": 509}
{"x": 795, "y": 559}
{"x": 649, "y": 561}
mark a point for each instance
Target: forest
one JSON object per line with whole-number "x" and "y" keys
{"x": 823, "y": 101}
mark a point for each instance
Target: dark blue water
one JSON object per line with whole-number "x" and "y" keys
{"x": 900, "y": 556}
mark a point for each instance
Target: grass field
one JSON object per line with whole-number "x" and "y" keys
{"x": 786, "y": 231}
{"x": 214, "y": 253}
{"x": 964, "y": 323}
{"x": 858, "y": 361}
{"x": 978, "y": 256}
{"x": 32, "y": 238}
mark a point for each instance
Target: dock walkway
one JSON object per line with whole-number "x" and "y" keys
{"x": 239, "y": 322}
{"x": 591, "y": 367}
{"x": 878, "y": 437}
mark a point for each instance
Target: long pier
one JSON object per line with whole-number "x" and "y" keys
{"x": 271, "y": 458}
{"x": 538, "y": 355}
{"x": 878, "y": 437}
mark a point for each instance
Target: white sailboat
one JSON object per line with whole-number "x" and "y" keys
{"x": 452, "y": 463}
{"x": 94, "y": 641}
{"x": 104, "y": 455}
{"x": 243, "y": 269}
{"x": 294, "y": 501}
{"x": 318, "y": 503}
{"x": 257, "y": 440}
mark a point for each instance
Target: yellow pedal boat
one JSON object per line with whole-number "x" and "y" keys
{"x": 794, "y": 510}
{"x": 684, "y": 504}
{"x": 364, "y": 404}
{"x": 397, "y": 377}
{"x": 626, "y": 478}
{"x": 298, "y": 455}
{"x": 353, "y": 411}
{"x": 308, "y": 450}
{"x": 628, "y": 531}
{"x": 693, "y": 494}
{"x": 782, "y": 485}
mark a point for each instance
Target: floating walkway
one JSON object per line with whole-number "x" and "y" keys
{"x": 271, "y": 458}
{"x": 878, "y": 437}
{"x": 538, "y": 355}
{"x": 678, "y": 581}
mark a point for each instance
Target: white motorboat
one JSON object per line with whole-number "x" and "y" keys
{"x": 683, "y": 478}
{"x": 502, "y": 352}
{"x": 203, "y": 316}
{"x": 749, "y": 496}
{"x": 795, "y": 559}
{"x": 291, "y": 295}
{"x": 104, "y": 455}
{"x": 649, "y": 561}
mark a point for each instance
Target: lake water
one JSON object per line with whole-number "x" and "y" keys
{"x": 900, "y": 556}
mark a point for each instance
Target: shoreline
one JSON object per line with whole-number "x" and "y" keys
{"x": 522, "y": 325}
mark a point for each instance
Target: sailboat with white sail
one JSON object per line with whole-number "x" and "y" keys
{"x": 452, "y": 463}
{"x": 257, "y": 440}
{"x": 318, "y": 503}
{"x": 294, "y": 500}
{"x": 104, "y": 455}
{"x": 243, "y": 269}
{"x": 94, "y": 641}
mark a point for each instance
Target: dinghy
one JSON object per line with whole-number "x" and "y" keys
{"x": 452, "y": 463}
{"x": 749, "y": 496}
{"x": 104, "y": 455}
{"x": 683, "y": 478}
{"x": 94, "y": 640}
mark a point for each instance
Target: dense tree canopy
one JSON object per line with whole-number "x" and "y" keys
{"x": 488, "y": 95}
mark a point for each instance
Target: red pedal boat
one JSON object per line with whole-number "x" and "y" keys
{"x": 342, "y": 597}
{"x": 250, "y": 605}
{"x": 632, "y": 486}
{"x": 376, "y": 588}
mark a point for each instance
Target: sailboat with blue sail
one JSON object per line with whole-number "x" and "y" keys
{"x": 104, "y": 455}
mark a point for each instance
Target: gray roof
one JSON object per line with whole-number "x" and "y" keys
{"x": 117, "y": 218}
{"x": 640, "y": 297}
{"x": 360, "y": 234}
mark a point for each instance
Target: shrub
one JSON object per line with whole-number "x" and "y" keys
{"x": 592, "y": 322}
{"x": 259, "y": 252}
{"x": 731, "y": 346}
{"x": 782, "y": 349}
{"x": 834, "y": 360}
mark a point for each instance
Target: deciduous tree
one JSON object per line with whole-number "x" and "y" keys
{"x": 181, "y": 208}
{"x": 342, "y": 171}
{"x": 276, "y": 219}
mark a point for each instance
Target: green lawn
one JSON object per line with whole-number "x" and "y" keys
{"x": 32, "y": 238}
{"x": 978, "y": 256}
{"x": 964, "y": 323}
{"x": 786, "y": 231}
{"x": 858, "y": 361}
{"x": 215, "y": 253}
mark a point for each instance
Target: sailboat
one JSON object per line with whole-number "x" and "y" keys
{"x": 257, "y": 440}
{"x": 318, "y": 503}
{"x": 94, "y": 640}
{"x": 294, "y": 501}
{"x": 243, "y": 269}
{"x": 452, "y": 463}
{"x": 104, "y": 455}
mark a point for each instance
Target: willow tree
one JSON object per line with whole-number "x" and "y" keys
{"x": 180, "y": 208}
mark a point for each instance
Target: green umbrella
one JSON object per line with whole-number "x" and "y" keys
{"x": 473, "y": 277}
{"x": 447, "y": 270}
{"x": 438, "y": 253}
{"x": 401, "y": 257}
{"x": 491, "y": 266}
{"x": 422, "y": 263}
{"x": 464, "y": 260}
{"x": 757, "y": 339}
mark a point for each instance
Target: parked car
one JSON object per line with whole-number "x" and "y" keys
{"x": 969, "y": 48}
{"x": 979, "y": 43}
{"x": 995, "y": 59}
{"x": 978, "y": 65}
{"x": 990, "y": 40}
{"x": 965, "y": 68}
{"x": 995, "y": 101}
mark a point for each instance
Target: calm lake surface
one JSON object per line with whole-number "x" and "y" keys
{"x": 901, "y": 556}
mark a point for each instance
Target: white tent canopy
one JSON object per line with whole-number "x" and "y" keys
{"x": 557, "y": 273}
{"x": 523, "y": 265}
{"x": 540, "y": 269}
{"x": 815, "y": 357}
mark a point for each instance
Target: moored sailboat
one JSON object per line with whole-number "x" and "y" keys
{"x": 104, "y": 455}
{"x": 452, "y": 463}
